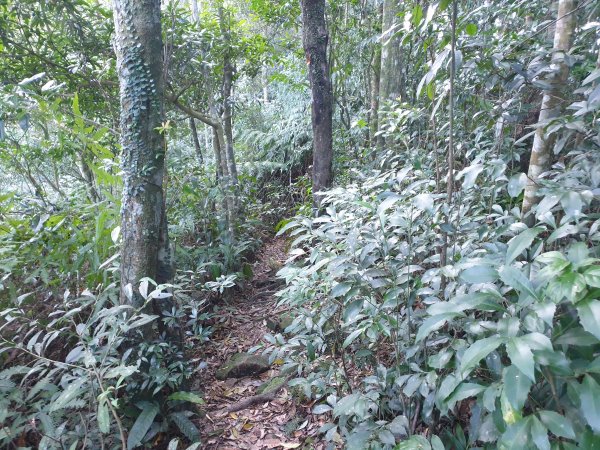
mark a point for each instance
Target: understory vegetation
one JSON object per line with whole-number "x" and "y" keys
{"x": 443, "y": 290}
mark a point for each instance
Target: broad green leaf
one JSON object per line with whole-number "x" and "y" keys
{"x": 516, "y": 387}
{"x": 471, "y": 29}
{"x": 569, "y": 285}
{"x": 185, "y": 425}
{"x": 477, "y": 351}
{"x": 434, "y": 323}
{"x": 321, "y": 409}
{"x": 120, "y": 371}
{"x": 340, "y": 289}
{"x": 431, "y": 90}
{"x": 516, "y": 436}
{"x": 559, "y": 425}
{"x": 346, "y": 405}
{"x": 423, "y": 202}
{"x": 103, "y": 416}
{"x": 520, "y": 355}
{"x": 417, "y": 15}
{"x": 187, "y": 397}
{"x": 589, "y": 392}
{"x": 470, "y": 173}
{"x": 351, "y": 337}
{"x": 481, "y": 273}
{"x": 465, "y": 390}
{"x": 386, "y": 437}
{"x": 399, "y": 425}
{"x": 539, "y": 434}
{"x": 484, "y": 301}
{"x": 592, "y": 276}
{"x": 417, "y": 442}
{"x": 589, "y": 316}
{"x": 572, "y": 203}
{"x": 517, "y": 280}
{"x": 70, "y": 393}
{"x": 436, "y": 443}
{"x": 520, "y": 242}
{"x": 352, "y": 310}
{"x": 142, "y": 425}
{"x": 516, "y": 184}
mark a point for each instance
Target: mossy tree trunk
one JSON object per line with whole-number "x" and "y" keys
{"x": 314, "y": 38}
{"x": 139, "y": 47}
{"x": 542, "y": 151}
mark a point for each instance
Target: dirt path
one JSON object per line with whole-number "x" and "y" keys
{"x": 241, "y": 324}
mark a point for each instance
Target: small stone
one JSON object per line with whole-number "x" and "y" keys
{"x": 243, "y": 365}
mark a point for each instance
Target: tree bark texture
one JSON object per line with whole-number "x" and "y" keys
{"x": 314, "y": 37}
{"x": 139, "y": 47}
{"x": 552, "y": 103}
{"x": 375, "y": 78}
{"x": 392, "y": 82}
{"x": 196, "y": 140}
{"x": 226, "y": 90}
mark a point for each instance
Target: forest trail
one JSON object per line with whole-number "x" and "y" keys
{"x": 240, "y": 324}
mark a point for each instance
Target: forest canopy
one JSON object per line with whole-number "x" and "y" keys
{"x": 313, "y": 224}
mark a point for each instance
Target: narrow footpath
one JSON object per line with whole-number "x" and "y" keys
{"x": 237, "y": 415}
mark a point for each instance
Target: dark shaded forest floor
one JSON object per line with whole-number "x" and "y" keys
{"x": 241, "y": 323}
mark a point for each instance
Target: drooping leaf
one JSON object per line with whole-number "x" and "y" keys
{"x": 185, "y": 425}
{"x": 520, "y": 242}
{"x": 589, "y": 316}
{"x": 516, "y": 436}
{"x": 516, "y": 387}
{"x": 434, "y": 323}
{"x": 477, "y": 351}
{"x": 517, "y": 280}
{"x": 521, "y": 356}
{"x": 481, "y": 273}
{"x": 187, "y": 397}
{"x": 539, "y": 434}
{"x": 559, "y": 425}
{"x": 516, "y": 184}
{"x": 142, "y": 425}
{"x": 589, "y": 391}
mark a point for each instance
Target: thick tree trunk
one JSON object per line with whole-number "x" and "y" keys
{"x": 314, "y": 38}
{"x": 391, "y": 83}
{"x": 138, "y": 46}
{"x": 552, "y": 104}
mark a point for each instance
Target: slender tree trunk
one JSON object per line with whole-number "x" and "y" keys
{"x": 265, "y": 81}
{"x": 228, "y": 71}
{"x": 139, "y": 47}
{"x": 314, "y": 38}
{"x": 196, "y": 141}
{"x": 392, "y": 83}
{"x": 375, "y": 77}
{"x": 90, "y": 181}
{"x": 552, "y": 104}
{"x": 217, "y": 152}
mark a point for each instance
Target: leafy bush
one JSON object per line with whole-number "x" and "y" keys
{"x": 501, "y": 341}
{"x": 78, "y": 386}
